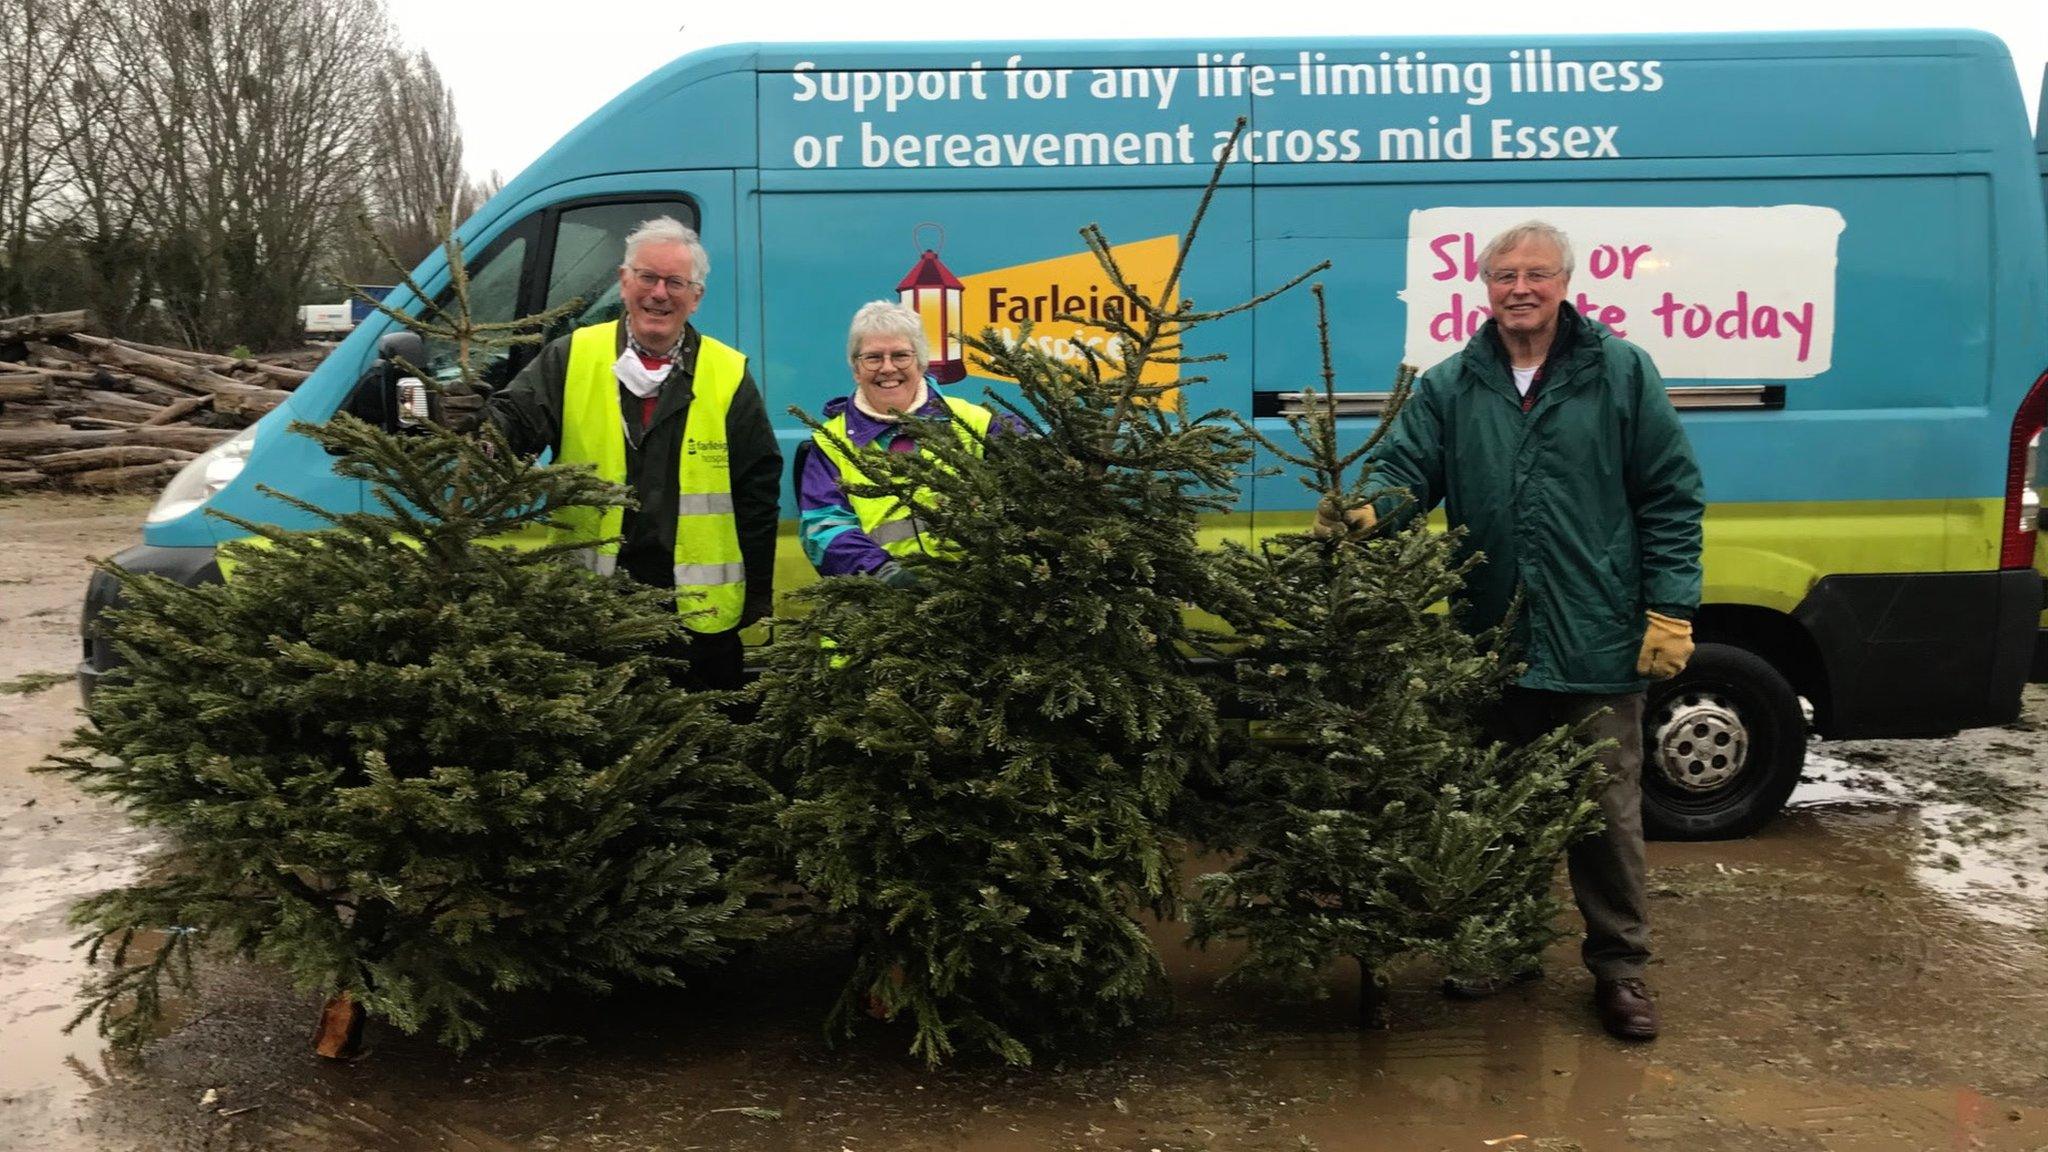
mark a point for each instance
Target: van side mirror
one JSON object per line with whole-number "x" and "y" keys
{"x": 401, "y": 345}
{"x": 389, "y": 395}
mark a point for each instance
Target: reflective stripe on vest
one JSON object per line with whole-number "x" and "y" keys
{"x": 891, "y": 531}
{"x": 887, "y": 520}
{"x": 710, "y": 577}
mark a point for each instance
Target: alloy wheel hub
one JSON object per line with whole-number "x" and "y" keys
{"x": 1700, "y": 741}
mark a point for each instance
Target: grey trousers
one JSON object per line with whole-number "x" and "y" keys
{"x": 1606, "y": 869}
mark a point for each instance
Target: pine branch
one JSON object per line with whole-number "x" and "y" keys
{"x": 982, "y": 770}
{"x": 1389, "y": 826}
{"x": 405, "y": 763}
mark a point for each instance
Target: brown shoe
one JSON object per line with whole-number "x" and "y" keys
{"x": 1626, "y": 1010}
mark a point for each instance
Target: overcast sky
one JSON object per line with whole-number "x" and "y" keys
{"x": 532, "y": 71}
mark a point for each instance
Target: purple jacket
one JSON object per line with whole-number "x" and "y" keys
{"x": 826, "y": 524}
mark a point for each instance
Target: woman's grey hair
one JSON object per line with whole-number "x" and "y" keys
{"x": 1521, "y": 234}
{"x": 887, "y": 318}
{"x": 668, "y": 230}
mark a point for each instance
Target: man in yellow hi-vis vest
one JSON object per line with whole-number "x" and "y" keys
{"x": 651, "y": 403}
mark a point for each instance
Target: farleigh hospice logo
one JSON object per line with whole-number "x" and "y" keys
{"x": 715, "y": 452}
{"x": 1007, "y": 298}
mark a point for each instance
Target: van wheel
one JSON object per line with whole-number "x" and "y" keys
{"x": 1723, "y": 744}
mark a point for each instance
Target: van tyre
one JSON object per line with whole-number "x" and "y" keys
{"x": 1723, "y": 744}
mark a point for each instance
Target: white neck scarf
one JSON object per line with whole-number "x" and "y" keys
{"x": 637, "y": 377}
{"x": 860, "y": 401}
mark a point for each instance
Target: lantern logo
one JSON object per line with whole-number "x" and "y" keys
{"x": 1036, "y": 293}
{"x": 932, "y": 291}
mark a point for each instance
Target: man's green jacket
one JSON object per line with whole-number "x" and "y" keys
{"x": 1589, "y": 503}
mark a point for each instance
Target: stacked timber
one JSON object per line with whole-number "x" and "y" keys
{"x": 91, "y": 413}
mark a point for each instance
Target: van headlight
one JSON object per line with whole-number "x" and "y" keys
{"x": 208, "y": 473}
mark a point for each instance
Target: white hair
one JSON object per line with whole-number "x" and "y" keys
{"x": 1521, "y": 234}
{"x": 887, "y": 318}
{"x": 668, "y": 230}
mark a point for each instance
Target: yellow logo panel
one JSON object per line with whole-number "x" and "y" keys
{"x": 1007, "y": 298}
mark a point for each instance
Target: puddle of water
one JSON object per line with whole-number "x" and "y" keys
{"x": 1988, "y": 865}
{"x": 45, "y": 1069}
{"x": 54, "y": 849}
{"x": 1602, "y": 1105}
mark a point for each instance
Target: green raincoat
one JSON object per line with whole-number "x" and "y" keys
{"x": 1589, "y": 503}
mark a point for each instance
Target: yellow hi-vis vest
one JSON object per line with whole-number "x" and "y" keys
{"x": 711, "y": 579}
{"x": 887, "y": 520}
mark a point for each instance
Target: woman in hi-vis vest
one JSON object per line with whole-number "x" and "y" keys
{"x": 845, "y": 534}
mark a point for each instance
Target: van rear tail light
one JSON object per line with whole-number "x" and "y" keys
{"x": 2022, "y": 503}
{"x": 2030, "y": 489}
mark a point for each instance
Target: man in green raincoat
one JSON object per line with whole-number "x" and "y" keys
{"x": 1551, "y": 441}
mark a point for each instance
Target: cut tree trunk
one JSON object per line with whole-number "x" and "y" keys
{"x": 1372, "y": 998}
{"x": 226, "y": 363}
{"x": 144, "y": 386}
{"x": 119, "y": 406}
{"x": 113, "y": 456}
{"x": 56, "y": 354}
{"x": 178, "y": 411}
{"x": 340, "y": 1036}
{"x": 230, "y": 396}
{"x": 67, "y": 382}
{"x": 29, "y": 441}
{"x": 54, "y": 372}
{"x": 250, "y": 405}
{"x": 39, "y": 324}
{"x": 121, "y": 479}
{"x": 23, "y": 386}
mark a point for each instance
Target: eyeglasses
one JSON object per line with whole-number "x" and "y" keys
{"x": 676, "y": 284}
{"x": 873, "y": 360}
{"x": 1536, "y": 277}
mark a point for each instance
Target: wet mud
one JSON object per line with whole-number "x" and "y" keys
{"x": 1869, "y": 972}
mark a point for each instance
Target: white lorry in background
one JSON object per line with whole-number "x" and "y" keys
{"x": 326, "y": 320}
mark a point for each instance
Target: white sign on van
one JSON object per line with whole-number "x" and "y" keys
{"x": 1709, "y": 293}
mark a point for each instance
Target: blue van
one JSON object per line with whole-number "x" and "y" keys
{"x": 1834, "y": 245}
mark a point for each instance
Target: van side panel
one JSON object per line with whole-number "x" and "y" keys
{"x": 826, "y": 253}
{"x": 1899, "y": 415}
{"x": 856, "y": 195}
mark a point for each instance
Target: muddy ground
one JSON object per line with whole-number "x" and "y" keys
{"x": 1867, "y": 973}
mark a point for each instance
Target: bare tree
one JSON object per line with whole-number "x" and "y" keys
{"x": 201, "y": 172}
{"x": 476, "y": 192}
{"x": 109, "y": 182}
{"x": 259, "y": 114}
{"x": 417, "y": 178}
{"x": 40, "y": 42}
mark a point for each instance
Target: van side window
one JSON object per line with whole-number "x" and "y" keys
{"x": 589, "y": 244}
{"x": 493, "y": 298}
{"x": 580, "y": 261}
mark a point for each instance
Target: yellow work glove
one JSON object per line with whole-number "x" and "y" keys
{"x": 1329, "y": 522}
{"x": 1667, "y": 645}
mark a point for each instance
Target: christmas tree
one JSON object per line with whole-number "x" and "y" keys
{"x": 981, "y": 765}
{"x": 413, "y": 768}
{"x": 1379, "y": 822}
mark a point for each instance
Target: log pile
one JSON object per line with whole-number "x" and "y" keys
{"x": 90, "y": 413}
